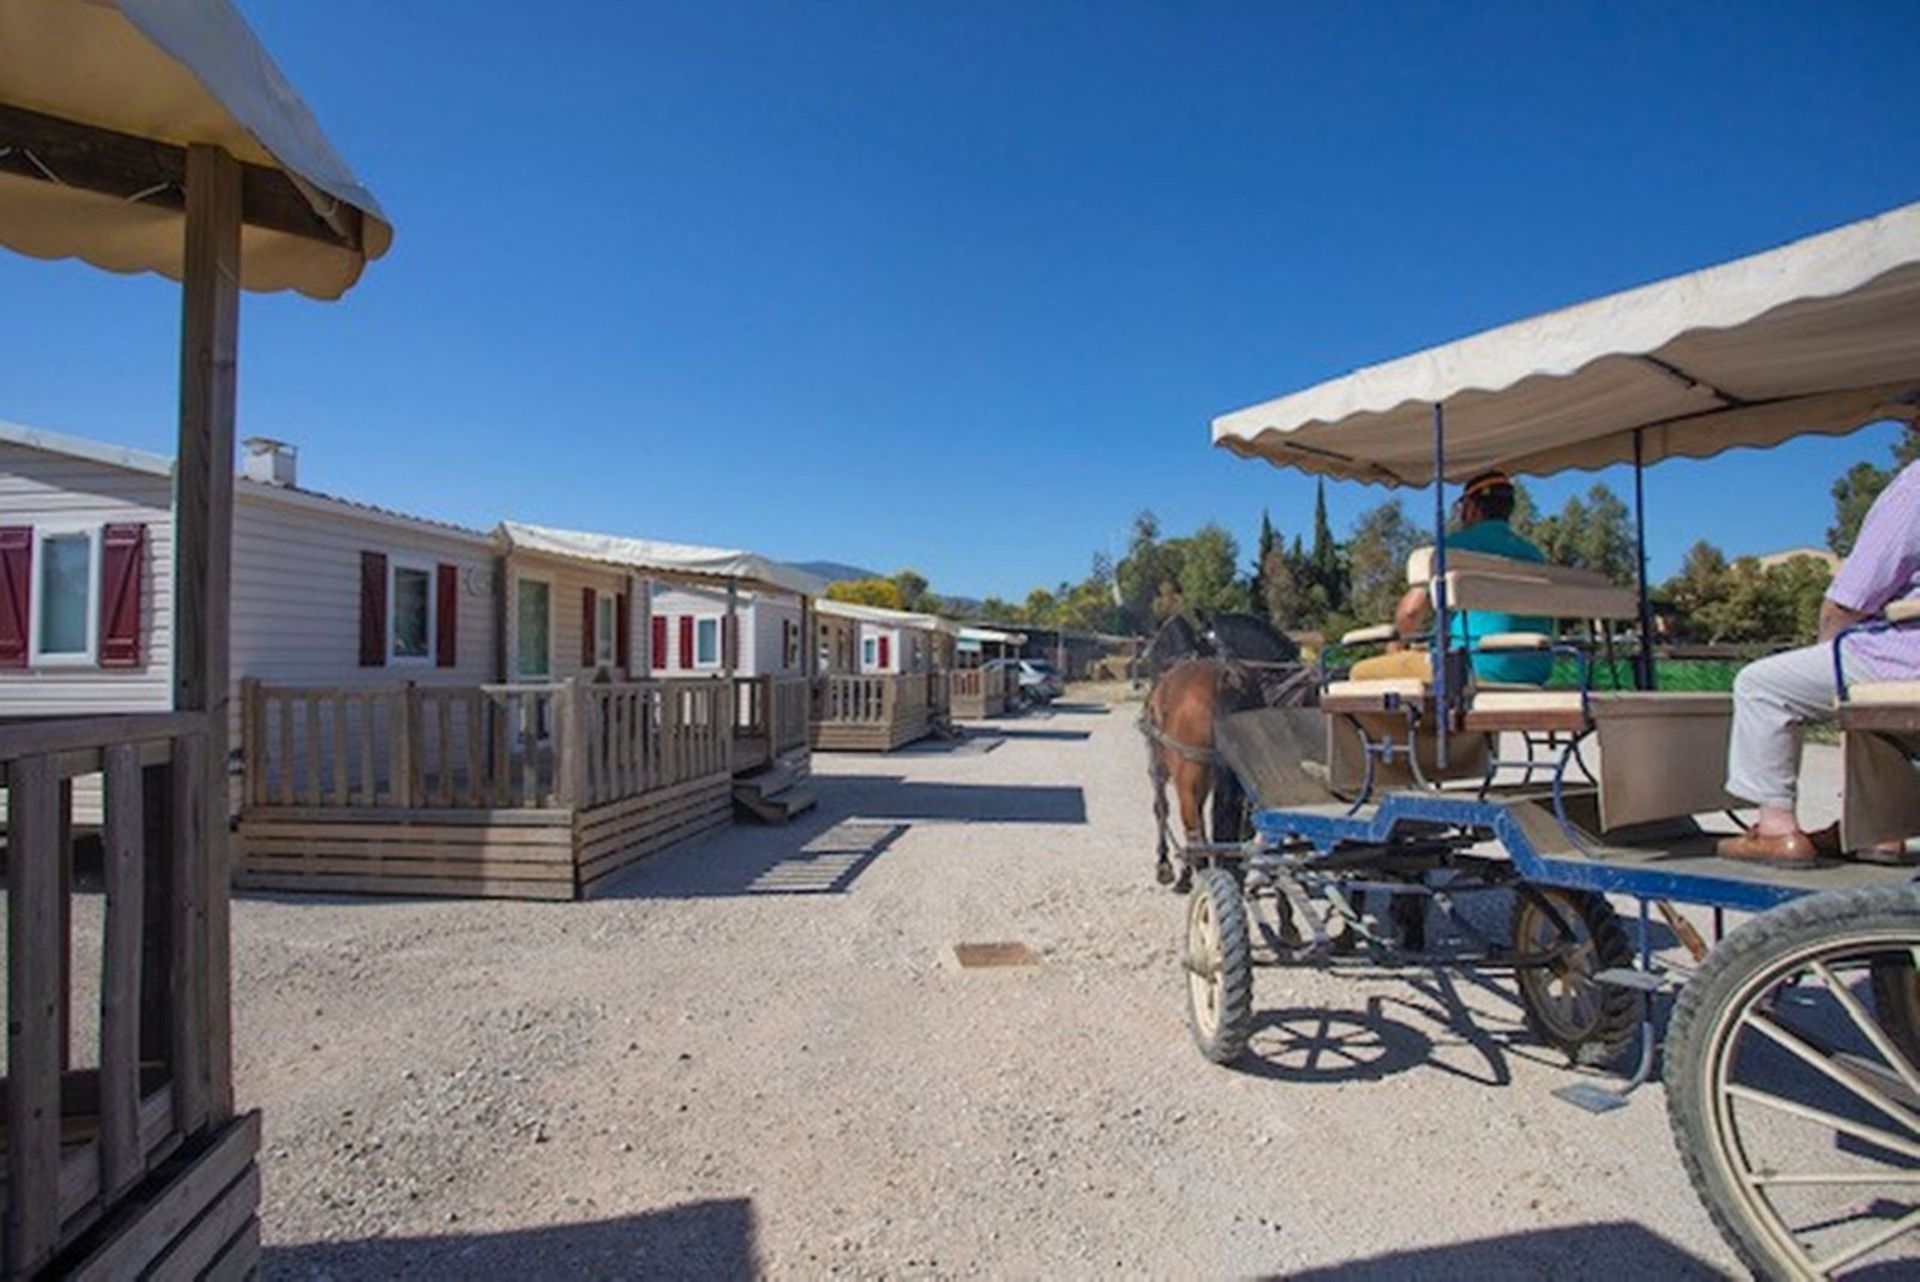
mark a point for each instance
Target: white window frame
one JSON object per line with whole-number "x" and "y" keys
{"x": 700, "y": 625}
{"x": 869, "y": 654}
{"x": 395, "y": 564}
{"x": 519, "y": 641}
{"x": 606, "y": 628}
{"x": 90, "y": 656}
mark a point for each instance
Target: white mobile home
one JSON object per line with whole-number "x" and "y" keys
{"x": 887, "y": 676}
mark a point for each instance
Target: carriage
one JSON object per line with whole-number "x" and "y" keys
{"x": 1380, "y": 819}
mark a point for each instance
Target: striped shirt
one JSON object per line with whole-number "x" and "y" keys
{"x": 1884, "y": 567}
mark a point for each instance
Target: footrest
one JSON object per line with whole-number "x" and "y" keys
{"x": 1642, "y": 981}
{"x": 1591, "y": 1097}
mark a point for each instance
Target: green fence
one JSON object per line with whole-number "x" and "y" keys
{"x": 1693, "y": 676}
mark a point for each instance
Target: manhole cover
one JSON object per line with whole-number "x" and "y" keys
{"x": 974, "y": 956}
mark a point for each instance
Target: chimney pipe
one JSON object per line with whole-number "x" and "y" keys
{"x": 268, "y": 461}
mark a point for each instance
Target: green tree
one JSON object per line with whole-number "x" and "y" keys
{"x": 912, "y": 586}
{"x": 1377, "y": 554}
{"x": 1209, "y": 577}
{"x": 1144, "y": 575}
{"x": 997, "y": 610}
{"x": 882, "y": 593}
{"x": 1264, "y": 552}
{"x": 1281, "y": 602}
{"x": 1326, "y": 568}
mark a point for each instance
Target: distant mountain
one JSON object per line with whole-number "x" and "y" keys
{"x": 834, "y": 571}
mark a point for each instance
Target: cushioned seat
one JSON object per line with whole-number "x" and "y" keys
{"x": 1884, "y": 692}
{"x": 1373, "y": 696}
{"x": 1541, "y": 710}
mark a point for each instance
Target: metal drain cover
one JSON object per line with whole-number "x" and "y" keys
{"x": 975, "y": 956}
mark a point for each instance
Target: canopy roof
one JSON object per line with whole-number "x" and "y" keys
{"x": 1821, "y": 335}
{"x": 993, "y": 636}
{"x": 668, "y": 560}
{"x": 98, "y": 102}
{"x": 888, "y": 618}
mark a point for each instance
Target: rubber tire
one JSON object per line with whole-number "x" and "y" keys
{"x": 1615, "y": 1029}
{"x": 1228, "y": 1039}
{"x": 1756, "y": 945}
{"x": 1896, "y": 996}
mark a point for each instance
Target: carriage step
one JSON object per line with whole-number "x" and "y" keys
{"x": 1590, "y": 1097}
{"x": 1643, "y": 981}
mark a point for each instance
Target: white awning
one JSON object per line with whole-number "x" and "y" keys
{"x": 167, "y": 72}
{"x": 888, "y": 618}
{"x": 1822, "y": 335}
{"x": 669, "y": 560}
{"x": 992, "y": 636}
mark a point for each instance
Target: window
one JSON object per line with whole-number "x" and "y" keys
{"x": 65, "y": 589}
{"x": 789, "y": 644}
{"x": 412, "y": 614}
{"x": 603, "y": 626}
{"x": 706, "y": 643}
{"x": 869, "y": 653}
{"x": 534, "y": 615}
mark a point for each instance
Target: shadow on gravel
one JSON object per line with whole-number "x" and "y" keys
{"x": 1013, "y": 732}
{"x": 697, "y": 1240}
{"x": 983, "y": 803}
{"x": 1613, "y": 1250}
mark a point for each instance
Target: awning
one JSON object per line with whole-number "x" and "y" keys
{"x": 992, "y": 636}
{"x": 888, "y": 618}
{"x": 667, "y": 560}
{"x": 98, "y": 101}
{"x": 1822, "y": 335}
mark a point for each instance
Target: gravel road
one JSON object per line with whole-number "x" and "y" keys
{"x": 758, "y": 1054}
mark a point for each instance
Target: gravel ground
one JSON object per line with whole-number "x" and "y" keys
{"x": 759, "y": 1055}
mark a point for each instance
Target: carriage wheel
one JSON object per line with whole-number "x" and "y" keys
{"x": 1793, "y": 1088}
{"x": 1567, "y": 1008}
{"x": 1219, "y": 965}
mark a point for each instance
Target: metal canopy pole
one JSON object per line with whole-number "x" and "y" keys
{"x": 1440, "y": 617}
{"x": 1644, "y": 676}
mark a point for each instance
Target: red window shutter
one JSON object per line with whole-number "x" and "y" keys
{"x": 686, "y": 640}
{"x": 373, "y": 609}
{"x": 122, "y": 556}
{"x": 886, "y": 649}
{"x": 16, "y": 571}
{"x": 446, "y": 610}
{"x": 586, "y": 627}
{"x": 658, "y": 659}
{"x": 622, "y": 633}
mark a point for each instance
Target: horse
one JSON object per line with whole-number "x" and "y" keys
{"x": 1203, "y": 671}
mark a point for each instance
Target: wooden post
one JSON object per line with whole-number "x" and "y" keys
{"x": 400, "y": 750}
{"x": 572, "y": 779}
{"x": 123, "y": 860}
{"x": 643, "y": 629}
{"x": 203, "y": 559}
{"x": 35, "y": 979}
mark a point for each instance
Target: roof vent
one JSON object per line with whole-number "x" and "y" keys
{"x": 268, "y": 461}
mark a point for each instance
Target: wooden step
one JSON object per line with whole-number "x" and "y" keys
{"x": 765, "y": 783}
{"x": 775, "y": 808}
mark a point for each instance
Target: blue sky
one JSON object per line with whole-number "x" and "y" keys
{"x": 960, "y": 286}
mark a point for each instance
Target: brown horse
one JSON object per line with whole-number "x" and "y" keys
{"x": 1178, "y": 723}
{"x": 1203, "y": 670}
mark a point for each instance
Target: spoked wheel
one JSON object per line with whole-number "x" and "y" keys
{"x": 1219, "y": 964}
{"x": 1567, "y": 1008}
{"x": 1793, "y": 1087}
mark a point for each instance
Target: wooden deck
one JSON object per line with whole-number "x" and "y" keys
{"x": 877, "y": 713}
{"x": 771, "y": 719}
{"x": 131, "y": 1159}
{"x": 519, "y": 791}
{"x": 978, "y": 693}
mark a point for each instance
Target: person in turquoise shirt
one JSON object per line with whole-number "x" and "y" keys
{"x": 1484, "y": 510}
{"x": 1485, "y": 507}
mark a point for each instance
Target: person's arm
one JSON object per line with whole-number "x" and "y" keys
{"x": 1834, "y": 617}
{"x": 1884, "y": 560}
{"x": 1410, "y": 616}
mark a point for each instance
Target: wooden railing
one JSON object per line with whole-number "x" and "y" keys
{"x": 792, "y": 709}
{"x": 872, "y": 700}
{"x": 637, "y": 736}
{"x": 939, "y": 692}
{"x": 78, "y": 1136}
{"x": 493, "y": 747}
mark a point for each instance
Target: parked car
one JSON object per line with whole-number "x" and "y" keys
{"x": 1039, "y": 681}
